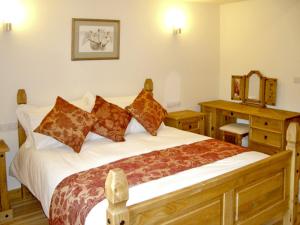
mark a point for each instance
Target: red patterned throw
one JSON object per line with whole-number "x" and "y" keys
{"x": 77, "y": 194}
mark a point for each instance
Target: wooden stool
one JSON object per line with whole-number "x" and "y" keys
{"x": 234, "y": 132}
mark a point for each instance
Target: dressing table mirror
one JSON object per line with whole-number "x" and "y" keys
{"x": 254, "y": 89}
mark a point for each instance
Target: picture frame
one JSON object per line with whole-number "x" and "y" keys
{"x": 237, "y": 87}
{"x": 95, "y": 39}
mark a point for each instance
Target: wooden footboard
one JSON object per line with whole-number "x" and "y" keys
{"x": 261, "y": 193}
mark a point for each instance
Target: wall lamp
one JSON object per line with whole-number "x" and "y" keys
{"x": 175, "y": 19}
{"x": 7, "y": 27}
{"x": 177, "y": 30}
{"x": 12, "y": 12}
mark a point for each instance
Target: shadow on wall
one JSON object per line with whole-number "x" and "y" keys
{"x": 172, "y": 92}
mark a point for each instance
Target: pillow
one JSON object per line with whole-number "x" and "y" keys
{"x": 112, "y": 120}
{"x": 31, "y": 116}
{"x": 122, "y": 101}
{"x": 134, "y": 126}
{"x": 147, "y": 111}
{"x": 67, "y": 124}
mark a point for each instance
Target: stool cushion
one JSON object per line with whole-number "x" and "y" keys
{"x": 236, "y": 128}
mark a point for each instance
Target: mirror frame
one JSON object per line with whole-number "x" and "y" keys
{"x": 260, "y": 102}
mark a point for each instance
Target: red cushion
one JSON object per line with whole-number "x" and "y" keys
{"x": 67, "y": 124}
{"x": 147, "y": 111}
{"x": 112, "y": 120}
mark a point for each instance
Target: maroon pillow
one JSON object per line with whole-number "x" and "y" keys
{"x": 147, "y": 111}
{"x": 67, "y": 124}
{"x": 112, "y": 120}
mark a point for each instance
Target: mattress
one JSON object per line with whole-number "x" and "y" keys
{"x": 42, "y": 170}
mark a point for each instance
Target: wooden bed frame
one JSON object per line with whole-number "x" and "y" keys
{"x": 265, "y": 192}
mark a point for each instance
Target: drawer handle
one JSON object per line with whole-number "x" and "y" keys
{"x": 266, "y": 137}
{"x": 231, "y": 113}
{"x": 190, "y": 126}
{"x": 266, "y": 123}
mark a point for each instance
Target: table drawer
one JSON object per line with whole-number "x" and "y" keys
{"x": 266, "y": 124}
{"x": 197, "y": 131}
{"x": 265, "y": 137}
{"x": 235, "y": 114}
{"x": 189, "y": 124}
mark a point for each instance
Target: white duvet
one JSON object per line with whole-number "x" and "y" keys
{"x": 42, "y": 170}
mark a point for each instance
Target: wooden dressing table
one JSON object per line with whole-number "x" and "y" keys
{"x": 267, "y": 126}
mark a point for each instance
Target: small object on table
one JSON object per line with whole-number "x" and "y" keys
{"x": 187, "y": 120}
{"x": 6, "y": 212}
{"x": 234, "y": 132}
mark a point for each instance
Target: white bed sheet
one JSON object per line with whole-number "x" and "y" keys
{"x": 42, "y": 170}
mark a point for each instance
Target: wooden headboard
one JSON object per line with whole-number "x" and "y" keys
{"x": 22, "y": 99}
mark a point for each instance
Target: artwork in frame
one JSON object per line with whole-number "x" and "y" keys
{"x": 237, "y": 87}
{"x": 95, "y": 39}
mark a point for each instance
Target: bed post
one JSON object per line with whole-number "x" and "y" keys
{"x": 22, "y": 99}
{"x": 293, "y": 144}
{"x": 148, "y": 85}
{"x": 116, "y": 192}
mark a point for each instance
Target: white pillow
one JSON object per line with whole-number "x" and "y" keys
{"x": 31, "y": 116}
{"x": 121, "y": 101}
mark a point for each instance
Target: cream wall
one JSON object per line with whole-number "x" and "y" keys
{"x": 262, "y": 35}
{"x": 36, "y": 56}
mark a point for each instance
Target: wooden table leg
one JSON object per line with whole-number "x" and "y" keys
{"x": 6, "y": 212}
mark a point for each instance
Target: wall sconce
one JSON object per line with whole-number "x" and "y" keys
{"x": 7, "y": 27}
{"x": 177, "y": 30}
{"x": 175, "y": 19}
{"x": 12, "y": 12}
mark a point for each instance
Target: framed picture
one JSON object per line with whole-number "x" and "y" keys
{"x": 237, "y": 87}
{"x": 95, "y": 39}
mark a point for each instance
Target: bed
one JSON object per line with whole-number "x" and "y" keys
{"x": 248, "y": 188}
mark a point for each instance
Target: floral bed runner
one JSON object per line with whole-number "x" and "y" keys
{"x": 77, "y": 194}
